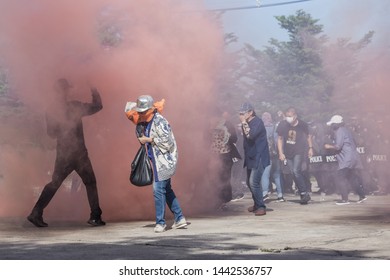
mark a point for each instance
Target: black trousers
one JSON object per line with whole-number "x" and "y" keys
{"x": 225, "y": 177}
{"x": 64, "y": 165}
{"x": 350, "y": 179}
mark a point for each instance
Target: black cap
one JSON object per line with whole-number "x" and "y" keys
{"x": 246, "y": 107}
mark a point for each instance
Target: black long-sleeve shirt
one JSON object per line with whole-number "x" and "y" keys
{"x": 69, "y": 130}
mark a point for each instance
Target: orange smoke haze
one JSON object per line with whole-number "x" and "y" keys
{"x": 165, "y": 51}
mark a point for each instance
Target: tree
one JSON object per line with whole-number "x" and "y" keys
{"x": 3, "y": 82}
{"x": 307, "y": 71}
{"x": 341, "y": 61}
{"x": 290, "y": 73}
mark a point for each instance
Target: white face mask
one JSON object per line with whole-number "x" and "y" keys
{"x": 289, "y": 119}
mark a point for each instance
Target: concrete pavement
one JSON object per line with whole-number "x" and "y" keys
{"x": 318, "y": 231}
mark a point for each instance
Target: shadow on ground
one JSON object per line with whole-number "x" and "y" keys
{"x": 205, "y": 247}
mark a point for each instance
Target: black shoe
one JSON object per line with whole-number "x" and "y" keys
{"x": 305, "y": 198}
{"x": 37, "y": 220}
{"x": 96, "y": 222}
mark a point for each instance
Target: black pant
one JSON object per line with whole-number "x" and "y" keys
{"x": 350, "y": 178}
{"x": 64, "y": 165}
{"x": 225, "y": 176}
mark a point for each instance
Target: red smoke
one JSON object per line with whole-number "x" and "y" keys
{"x": 165, "y": 51}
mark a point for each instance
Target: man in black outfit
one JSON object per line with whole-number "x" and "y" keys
{"x": 293, "y": 140}
{"x": 66, "y": 126}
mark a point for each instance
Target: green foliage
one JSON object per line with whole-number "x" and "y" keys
{"x": 290, "y": 73}
{"x": 109, "y": 35}
{"x": 298, "y": 24}
{"x": 9, "y": 105}
{"x": 346, "y": 72}
{"x": 297, "y": 72}
{"x": 4, "y": 86}
{"x": 110, "y": 27}
{"x": 230, "y": 38}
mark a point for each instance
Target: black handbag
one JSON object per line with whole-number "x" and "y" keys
{"x": 141, "y": 169}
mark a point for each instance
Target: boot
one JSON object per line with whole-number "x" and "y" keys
{"x": 36, "y": 219}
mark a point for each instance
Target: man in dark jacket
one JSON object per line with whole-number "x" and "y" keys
{"x": 66, "y": 126}
{"x": 256, "y": 153}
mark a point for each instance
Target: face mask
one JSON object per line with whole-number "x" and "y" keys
{"x": 334, "y": 126}
{"x": 289, "y": 119}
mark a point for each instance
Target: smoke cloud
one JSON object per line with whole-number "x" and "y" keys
{"x": 361, "y": 78}
{"x": 360, "y": 82}
{"x": 124, "y": 49}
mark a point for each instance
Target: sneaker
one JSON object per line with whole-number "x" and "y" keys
{"x": 342, "y": 202}
{"x": 222, "y": 207}
{"x": 96, "y": 222}
{"x": 265, "y": 197}
{"x": 237, "y": 197}
{"x": 281, "y": 199}
{"x": 180, "y": 224}
{"x": 36, "y": 220}
{"x": 251, "y": 208}
{"x": 159, "y": 228}
{"x": 361, "y": 199}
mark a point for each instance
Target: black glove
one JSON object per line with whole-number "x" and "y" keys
{"x": 94, "y": 91}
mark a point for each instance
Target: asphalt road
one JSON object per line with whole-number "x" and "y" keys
{"x": 320, "y": 230}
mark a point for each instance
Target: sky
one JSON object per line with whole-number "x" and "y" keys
{"x": 341, "y": 18}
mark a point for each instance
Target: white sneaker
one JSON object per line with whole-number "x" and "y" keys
{"x": 159, "y": 228}
{"x": 237, "y": 197}
{"x": 361, "y": 199}
{"x": 180, "y": 224}
{"x": 342, "y": 202}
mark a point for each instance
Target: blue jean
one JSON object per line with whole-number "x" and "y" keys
{"x": 295, "y": 165}
{"x": 163, "y": 193}
{"x": 254, "y": 182}
{"x": 272, "y": 170}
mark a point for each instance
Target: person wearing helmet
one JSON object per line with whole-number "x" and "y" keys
{"x": 348, "y": 159}
{"x": 155, "y": 131}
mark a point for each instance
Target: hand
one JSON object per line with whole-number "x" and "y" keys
{"x": 94, "y": 91}
{"x": 328, "y": 146}
{"x": 144, "y": 139}
{"x": 282, "y": 157}
{"x": 242, "y": 118}
{"x": 310, "y": 152}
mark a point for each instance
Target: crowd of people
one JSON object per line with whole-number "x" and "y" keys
{"x": 299, "y": 153}
{"x": 283, "y": 153}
